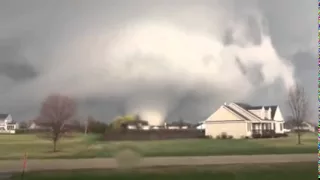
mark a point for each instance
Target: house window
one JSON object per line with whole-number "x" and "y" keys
{"x": 10, "y": 127}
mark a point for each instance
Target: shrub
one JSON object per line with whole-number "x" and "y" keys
{"x": 229, "y": 137}
{"x": 224, "y": 135}
{"x": 218, "y": 137}
{"x": 281, "y": 135}
{"x": 266, "y": 135}
{"x": 244, "y": 137}
{"x": 256, "y": 136}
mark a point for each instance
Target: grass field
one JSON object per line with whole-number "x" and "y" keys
{"x": 80, "y": 146}
{"x": 292, "y": 171}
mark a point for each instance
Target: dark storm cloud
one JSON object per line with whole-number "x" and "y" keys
{"x": 252, "y": 72}
{"x": 13, "y": 64}
{"x": 255, "y": 31}
{"x": 35, "y": 37}
{"x": 241, "y": 66}
{"x": 227, "y": 38}
{"x": 16, "y": 71}
{"x": 290, "y": 26}
{"x": 302, "y": 61}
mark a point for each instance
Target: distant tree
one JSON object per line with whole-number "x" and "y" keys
{"x": 94, "y": 126}
{"x": 76, "y": 125}
{"x": 298, "y": 104}
{"x": 56, "y": 112}
{"x": 121, "y": 121}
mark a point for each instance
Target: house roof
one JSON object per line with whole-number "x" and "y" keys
{"x": 3, "y": 116}
{"x": 249, "y": 107}
{"x": 235, "y": 112}
{"x": 243, "y": 105}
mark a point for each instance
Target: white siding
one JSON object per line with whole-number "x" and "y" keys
{"x": 233, "y": 128}
{"x": 269, "y": 113}
{"x": 279, "y": 121}
{"x": 9, "y": 118}
{"x": 278, "y": 115}
{"x": 263, "y": 113}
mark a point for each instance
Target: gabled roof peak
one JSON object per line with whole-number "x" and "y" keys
{"x": 248, "y": 107}
{"x": 3, "y": 116}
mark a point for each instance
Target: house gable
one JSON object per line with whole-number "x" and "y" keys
{"x": 9, "y": 118}
{"x": 4, "y": 117}
{"x": 224, "y": 114}
{"x": 278, "y": 115}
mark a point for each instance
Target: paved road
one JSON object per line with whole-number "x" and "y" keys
{"x": 110, "y": 163}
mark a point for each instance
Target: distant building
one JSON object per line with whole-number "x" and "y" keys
{"x": 143, "y": 125}
{"x": 177, "y": 125}
{"x": 137, "y": 124}
{"x": 305, "y": 126}
{"x": 34, "y": 126}
{"x": 7, "y": 125}
{"x": 201, "y": 125}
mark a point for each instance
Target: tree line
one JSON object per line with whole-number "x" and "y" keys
{"x": 58, "y": 114}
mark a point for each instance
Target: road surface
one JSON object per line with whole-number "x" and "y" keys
{"x": 110, "y": 163}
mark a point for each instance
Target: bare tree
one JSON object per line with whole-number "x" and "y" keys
{"x": 56, "y": 111}
{"x": 299, "y": 107}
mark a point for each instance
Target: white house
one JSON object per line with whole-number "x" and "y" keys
{"x": 145, "y": 126}
{"x": 138, "y": 124}
{"x": 305, "y": 126}
{"x": 243, "y": 120}
{"x": 134, "y": 127}
{"x": 177, "y": 125}
{"x": 7, "y": 125}
{"x": 34, "y": 126}
{"x": 201, "y": 125}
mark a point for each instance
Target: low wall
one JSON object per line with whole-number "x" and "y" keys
{"x": 7, "y": 131}
{"x": 159, "y": 134}
{"x": 31, "y": 131}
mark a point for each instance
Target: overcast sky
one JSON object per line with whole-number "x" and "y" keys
{"x": 162, "y": 59}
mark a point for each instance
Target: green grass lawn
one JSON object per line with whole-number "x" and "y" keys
{"x": 80, "y": 146}
{"x": 292, "y": 171}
